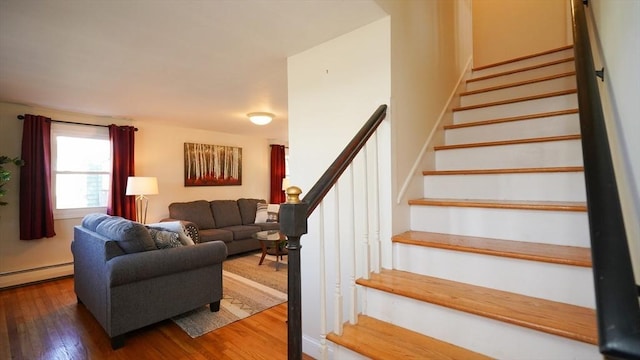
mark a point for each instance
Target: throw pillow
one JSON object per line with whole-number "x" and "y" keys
{"x": 176, "y": 227}
{"x": 273, "y": 213}
{"x": 164, "y": 239}
{"x": 261, "y": 213}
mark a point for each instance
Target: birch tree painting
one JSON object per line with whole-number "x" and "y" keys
{"x": 212, "y": 165}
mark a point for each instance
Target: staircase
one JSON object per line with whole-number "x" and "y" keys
{"x": 497, "y": 262}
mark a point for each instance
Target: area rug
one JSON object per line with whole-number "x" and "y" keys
{"x": 248, "y": 288}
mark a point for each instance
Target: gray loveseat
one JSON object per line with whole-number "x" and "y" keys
{"x": 230, "y": 221}
{"x": 127, "y": 283}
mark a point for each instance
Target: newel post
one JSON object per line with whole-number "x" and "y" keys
{"x": 293, "y": 223}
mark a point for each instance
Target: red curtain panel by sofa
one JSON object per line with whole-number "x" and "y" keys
{"x": 122, "y": 141}
{"x": 278, "y": 172}
{"x": 36, "y": 205}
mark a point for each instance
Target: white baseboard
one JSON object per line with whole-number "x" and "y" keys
{"x": 34, "y": 275}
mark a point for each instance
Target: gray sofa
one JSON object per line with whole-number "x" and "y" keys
{"x": 127, "y": 283}
{"x": 230, "y": 221}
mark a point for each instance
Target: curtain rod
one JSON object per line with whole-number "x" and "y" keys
{"x": 21, "y": 117}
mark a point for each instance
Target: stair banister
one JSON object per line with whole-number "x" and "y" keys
{"x": 293, "y": 223}
{"x": 340, "y": 164}
{"x": 618, "y": 312}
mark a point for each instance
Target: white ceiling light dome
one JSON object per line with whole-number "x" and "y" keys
{"x": 260, "y": 118}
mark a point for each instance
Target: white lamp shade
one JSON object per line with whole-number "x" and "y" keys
{"x": 285, "y": 183}
{"x": 142, "y": 185}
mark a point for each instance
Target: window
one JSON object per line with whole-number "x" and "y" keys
{"x": 81, "y": 166}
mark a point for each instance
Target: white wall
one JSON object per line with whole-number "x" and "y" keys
{"x": 504, "y": 29}
{"x": 159, "y": 152}
{"x": 333, "y": 89}
{"x": 431, "y": 44}
{"x": 618, "y": 37}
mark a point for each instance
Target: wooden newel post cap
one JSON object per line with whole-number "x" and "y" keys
{"x": 293, "y": 195}
{"x": 293, "y": 214}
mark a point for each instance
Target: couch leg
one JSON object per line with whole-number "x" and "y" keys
{"x": 215, "y": 306}
{"x": 117, "y": 342}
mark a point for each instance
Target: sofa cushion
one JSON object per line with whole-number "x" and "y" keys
{"x": 215, "y": 234}
{"x": 91, "y": 221}
{"x": 226, "y": 213}
{"x": 197, "y": 212}
{"x": 248, "y": 209}
{"x": 243, "y": 231}
{"x": 131, "y": 236}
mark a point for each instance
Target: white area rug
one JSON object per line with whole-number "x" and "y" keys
{"x": 243, "y": 294}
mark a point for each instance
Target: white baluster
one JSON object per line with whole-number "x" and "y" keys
{"x": 365, "y": 235}
{"x": 377, "y": 260}
{"x": 324, "y": 353}
{"x": 353, "y": 306}
{"x": 338, "y": 289}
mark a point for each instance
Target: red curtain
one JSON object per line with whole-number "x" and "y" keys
{"x": 36, "y": 206}
{"x": 278, "y": 173}
{"x": 122, "y": 141}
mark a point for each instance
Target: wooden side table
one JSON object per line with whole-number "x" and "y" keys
{"x": 272, "y": 243}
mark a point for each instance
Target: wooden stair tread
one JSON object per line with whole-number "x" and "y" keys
{"x": 520, "y": 99}
{"x": 519, "y": 83}
{"x": 377, "y": 339}
{"x": 533, "y": 67}
{"x": 505, "y": 204}
{"x": 513, "y": 118}
{"x": 520, "y": 58}
{"x": 570, "y": 321}
{"x": 505, "y": 171}
{"x": 508, "y": 142}
{"x": 556, "y": 254}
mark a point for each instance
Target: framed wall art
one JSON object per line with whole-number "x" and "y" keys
{"x": 212, "y": 165}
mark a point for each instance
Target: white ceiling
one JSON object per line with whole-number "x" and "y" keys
{"x": 200, "y": 63}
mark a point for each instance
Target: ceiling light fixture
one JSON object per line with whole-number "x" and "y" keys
{"x": 260, "y": 118}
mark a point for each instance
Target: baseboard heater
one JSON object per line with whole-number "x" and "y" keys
{"x": 28, "y": 276}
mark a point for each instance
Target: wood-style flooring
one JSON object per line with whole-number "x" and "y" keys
{"x": 44, "y": 321}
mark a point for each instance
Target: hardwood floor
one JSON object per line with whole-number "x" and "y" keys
{"x": 44, "y": 321}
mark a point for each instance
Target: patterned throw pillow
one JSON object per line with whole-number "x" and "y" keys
{"x": 261, "y": 213}
{"x": 164, "y": 239}
{"x": 273, "y": 211}
{"x": 176, "y": 227}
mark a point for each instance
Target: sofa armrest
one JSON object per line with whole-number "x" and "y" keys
{"x": 190, "y": 228}
{"x": 150, "y": 264}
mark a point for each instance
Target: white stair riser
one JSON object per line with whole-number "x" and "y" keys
{"x": 549, "y": 227}
{"x": 540, "y": 154}
{"x": 520, "y": 76}
{"x": 512, "y": 130}
{"x": 513, "y": 92}
{"x": 557, "y": 186}
{"x": 342, "y": 353}
{"x": 562, "y": 283}
{"x": 538, "y": 60}
{"x": 529, "y": 107}
{"x": 490, "y": 337}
